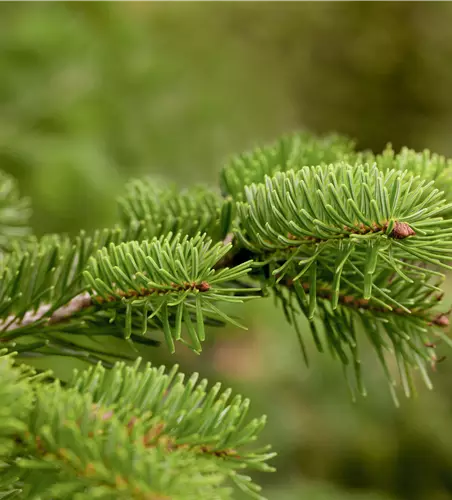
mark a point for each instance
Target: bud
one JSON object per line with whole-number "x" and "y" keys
{"x": 441, "y": 320}
{"x": 203, "y": 286}
{"x": 402, "y": 230}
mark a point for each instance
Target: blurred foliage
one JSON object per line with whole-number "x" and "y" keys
{"x": 94, "y": 93}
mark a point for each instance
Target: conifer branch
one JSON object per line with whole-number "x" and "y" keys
{"x": 353, "y": 243}
{"x": 126, "y": 433}
{"x": 174, "y": 277}
{"x": 167, "y": 282}
{"x": 347, "y": 217}
{"x": 410, "y": 333}
{"x": 340, "y": 234}
{"x": 167, "y": 209}
{"x": 290, "y": 152}
{"x": 426, "y": 166}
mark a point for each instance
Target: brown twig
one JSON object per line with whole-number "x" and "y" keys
{"x": 442, "y": 319}
{"x": 76, "y": 304}
{"x": 85, "y": 300}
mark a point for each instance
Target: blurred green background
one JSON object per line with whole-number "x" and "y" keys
{"x": 94, "y": 93}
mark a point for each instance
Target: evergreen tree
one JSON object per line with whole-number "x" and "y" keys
{"x": 357, "y": 243}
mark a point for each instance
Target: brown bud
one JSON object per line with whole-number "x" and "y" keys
{"x": 203, "y": 286}
{"x": 402, "y": 230}
{"x": 441, "y": 320}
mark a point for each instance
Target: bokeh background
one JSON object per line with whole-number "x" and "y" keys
{"x": 92, "y": 94}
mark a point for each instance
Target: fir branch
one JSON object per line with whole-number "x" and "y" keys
{"x": 170, "y": 210}
{"x": 425, "y": 165}
{"x": 129, "y": 433}
{"x": 45, "y": 284}
{"x": 290, "y": 152}
{"x": 349, "y": 246}
{"x": 47, "y": 272}
{"x": 411, "y": 332}
{"x": 342, "y": 216}
{"x": 165, "y": 277}
{"x": 42, "y": 293}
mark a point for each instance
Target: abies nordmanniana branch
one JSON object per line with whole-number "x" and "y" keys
{"x": 339, "y": 236}
{"x": 168, "y": 278}
{"x": 127, "y": 433}
{"x": 349, "y": 244}
{"x": 135, "y": 287}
